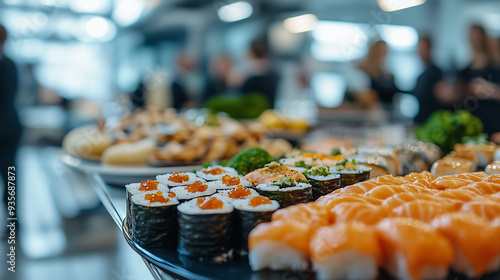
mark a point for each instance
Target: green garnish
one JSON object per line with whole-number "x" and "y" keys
{"x": 320, "y": 170}
{"x": 285, "y": 182}
{"x": 301, "y": 163}
{"x": 207, "y": 164}
{"x": 347, "y": 165}
{"x": 303, "y": 181}
{"x": 335, "y": 152}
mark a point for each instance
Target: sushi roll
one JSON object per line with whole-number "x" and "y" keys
{"x": 138, "y": 188}
{"x": 152, "y": 219}
{"x": 412, "y": 249}
{"x": 493, "y": 168}
{"x": 230, "y": 182}
{"x": 177, "y": 179}
{"x": 216, "y": 172}
{"x": 306, "y": 213}
{"x": 351, "y": 172}
{"x": 476, "y": 242}
{"x": 249, "y": 213}
{"x": 345, "y": 251}
{"x": 450, "y": 165}
{"x": 380, "y": 166}
{"x": 193, "y": 190}
{"x": 286, "y": 191}
{"x": 322, "y": 180}
{"x": 205, "y": 229}
{"x": 280, "y": 245}
{"x": 239, "y": 192}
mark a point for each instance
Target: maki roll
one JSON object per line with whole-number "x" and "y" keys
{"x": 249, "y": 213}
{"x": 239, "y": 192}
{"x": 205, "y": 229}
{"x": 194, "y": 190}
{"x": 138, "y": 188}
{"x": 177, "y": 179}
{"x": 152, "y": 219}
{"x": 350, "y": 172}
{"x": 216, "y": 172}
{"x": 287, "y": 191}
{"x": 322, "y": 180}
{"x": 230, "y": 182}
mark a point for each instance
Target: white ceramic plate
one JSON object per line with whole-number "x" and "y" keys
{"x": 118, "y": 175}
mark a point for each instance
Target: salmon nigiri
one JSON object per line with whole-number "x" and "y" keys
{"x": 425, "y": 175}
{"x": 449, "y": 183}
{"x": 307, "y": 213}
{"x": 486, "y": 208}
{"x": 412, "y": 249}
{"x": 358, "y": 212}
{"x": 402, "y": 198}
{"x": 358, "y": 188}
{"x": 423, "y": 210}
{"x": 279, "y": 245}
{"x": 330, "y": 201}
{"x": 345, "y": 251}
{"x": 459, "y": 194}
{"x": 387, "y": 191}
{"x": 483, "y": 187}
{"x": 476, "y": 242}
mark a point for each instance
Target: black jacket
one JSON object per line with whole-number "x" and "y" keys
{"x": 11, "y": 127}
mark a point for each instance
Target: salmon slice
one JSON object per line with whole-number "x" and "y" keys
{"x": 273, "y": 172}
{"x": 402, "y": 198}
{"x": 425, "y": 175}
{"x": 476, "y": 242}
{"x": 423, "y": 183}
{"x": 330, "y": 201}
{"x": 345, "y": 251}
{"x": 483, "y": 187}
{"x": 459, "y": 194}
{"x": 384, "y": 192}
{"x": 449, "y": 182}
{"x": 485, "y": 208}
{"x": 423, "y": 210}
{"x": 412, "y": 249}
{"x": 308, "y": 213}
{"x": 474, "y": 176}
{"x": 359, "y": 188}
{"x": 390, "y": 180}
{"x": 358, "y": 212}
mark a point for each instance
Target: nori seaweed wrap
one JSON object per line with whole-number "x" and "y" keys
{"x": 350, "y": 172}
{"x": 247, "y": 215}
{"x": 205, "y": 229}
{"x": 322, "y": 180}
{"x": 152, "y": 219}
{"x": 141, "y": 188}
{"x": 287, "y": 192}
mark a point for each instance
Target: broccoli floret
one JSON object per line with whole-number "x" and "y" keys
{"x": 249, "y": 160}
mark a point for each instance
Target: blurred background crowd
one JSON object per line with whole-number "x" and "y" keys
{"x": 354, "y": 63}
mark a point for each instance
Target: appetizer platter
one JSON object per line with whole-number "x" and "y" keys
{"x": 259, "y": 218}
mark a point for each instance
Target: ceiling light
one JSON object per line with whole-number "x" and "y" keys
{"x": 235, "y": 11}
{"x": 301, "y": 23}
{"x": 395, "y": 5}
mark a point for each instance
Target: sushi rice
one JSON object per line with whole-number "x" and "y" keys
{"x": 219, "y": 185}
{"x": 210, "y": 177}
{"x": 164, "y": 179}
{"x": 133, "y": 188}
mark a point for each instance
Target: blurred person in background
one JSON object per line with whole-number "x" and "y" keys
{"x": 424, "y": 88}
{"x": 262, "y": 77}
{"x": 381, "y": 80}
{"x": 222, "y": 77}
{"x": 10, "y": 134}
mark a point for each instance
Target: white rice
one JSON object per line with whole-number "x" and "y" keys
{"x": 164, "y": 179}
{"x": 191, "y": 208}
{"x": 133, "y": 188}
{"x": 360, "y": 169}
{"x": 277, "y": 256}
{"x": 299, "y": 186}
{"x": 224, "y": 194}
{"x": 221, "y": 186}
{"x": 243, "y": 204}
{"x": 140, "y": 200}
{"x": 324, "y": 178}
{"x": 183, "y": 194}
{"x": 397, "y": 266}
{"x": 209, "y": 177}
{"x": 348, "y": 264}
{"x": 300, "y": 169}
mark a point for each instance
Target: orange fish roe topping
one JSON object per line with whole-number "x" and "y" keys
{"x": 214, "y": 171}
{"x": 197, "y": 186}
{"x": 156, "y": 197}
{"x": 259, "y": 200}
{"x": 175, "y": 177}
{"x": 314, "y": 155}
{"x": 230, "y": 181}
{"x": 149, "y": 185}
{"x": 211, "y": 203}
{"x": 239, "y": 192}
{"x": 171, "y": 195}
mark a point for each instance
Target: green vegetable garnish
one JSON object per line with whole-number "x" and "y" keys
{"x": 320, "y": 170}
{"x": 249, "y": 160}
{"x": 285, "y": 182}
{"x": 301, "y": 163}
{"x": 347, "y": 165}
{"x": 335, "y": 152}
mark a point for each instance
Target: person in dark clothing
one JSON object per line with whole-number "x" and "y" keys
{"x": 381, "y": 80}
{"x": 263, "y": 78}
{"x": 424, "y": 89}
{"x": 10, "y": 133}
{"x": 223, "y": 77}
